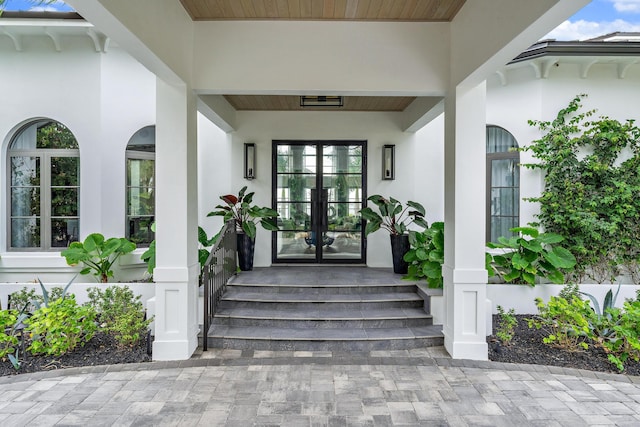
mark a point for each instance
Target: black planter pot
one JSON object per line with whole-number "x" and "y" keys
{"x": 399, "y": 247}
{"x": 246, "y": 248}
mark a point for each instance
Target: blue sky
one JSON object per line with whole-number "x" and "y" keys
{"x": 598, "y": 18}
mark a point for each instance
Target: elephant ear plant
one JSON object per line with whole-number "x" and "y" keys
{"x": 393, "y": 217}
{"x": 97, "y": 254}
{"x": 396, "y": 219}
{"x": 245, "y": 215}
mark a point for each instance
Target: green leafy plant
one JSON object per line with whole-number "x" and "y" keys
{"x": 246, "y": 215}
{"x": 426, "y": 255}
{"x": 98, "y": 254}
{"x": 60, "y": 327}
{"x": 393, "y": 216}
{"x": 8, "y": 339}
{"x": 532, "y": 254}
{"x": 507, "y": 323}
{"x": 591, "y": 187}
{"x": 566, "y": 322}
{"x": 623, "y": 342}
{"x": 608, "y": 302}
{"x": 149, "y": 256}
{"x": 120, "y": 313}
{"x": 205, "y": 243}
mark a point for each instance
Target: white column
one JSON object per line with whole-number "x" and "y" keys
{"x": 177, "y": 269}
{"x": 465, "y": 277}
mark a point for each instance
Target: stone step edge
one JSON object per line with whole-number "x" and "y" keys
{"x": 302, "y": 339}
{"x": 320, "y": 285}
{"x": 323, "y": 300}
{"x": 324, "y": 318}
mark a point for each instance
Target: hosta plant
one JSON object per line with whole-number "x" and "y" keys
{"x": 530, "y": 255}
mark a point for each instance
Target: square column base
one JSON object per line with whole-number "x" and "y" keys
{"x": 176, "y": 323}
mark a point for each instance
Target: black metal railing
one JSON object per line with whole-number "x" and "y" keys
{"x": 220, "y": 266}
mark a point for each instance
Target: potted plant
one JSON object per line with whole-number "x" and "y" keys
{"x": 246, "y": 216}
{"x": 396, "y": 219}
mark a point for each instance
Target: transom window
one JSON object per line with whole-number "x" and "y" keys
{"x": 503, "y": 183}
{"x": 44, "y": 187}
{"x": 141, "y": 184}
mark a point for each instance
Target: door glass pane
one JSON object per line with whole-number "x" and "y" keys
{"x": 296, "y": 158}
{"x": 295, "y": 187}
{"x": 25, "y": 232}
{"x": 342, "y": 245}
{"x": 295, "y": 245}
{"x": 344, "y": 216}
{"x": 294, "y": 216}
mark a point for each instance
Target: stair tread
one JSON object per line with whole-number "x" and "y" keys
{"x": 324, "y": 314}
{"x": 235, "y": 295}
{"x": 321, "y": 285}
{"x": 300, "y": 334}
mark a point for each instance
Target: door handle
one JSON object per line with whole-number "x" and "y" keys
{"x": 324, "y": 206}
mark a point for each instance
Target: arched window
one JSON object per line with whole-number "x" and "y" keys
{"x": 503, "y": 183}
{"x": 44, "y": 187}
{"x": 141, "y": 184}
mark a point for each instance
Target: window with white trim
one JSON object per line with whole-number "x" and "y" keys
{"x": 141, "y": 184}
{"x": 503, "y": 183}
{"x": 44, "y": 187}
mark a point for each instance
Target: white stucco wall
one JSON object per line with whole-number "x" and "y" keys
{"x": 103, "y": 98}
{"x": 418, "y": 162}
{"x": 526, "y": 97}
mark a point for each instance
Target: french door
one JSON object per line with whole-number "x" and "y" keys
{"x": 319, "y": 188}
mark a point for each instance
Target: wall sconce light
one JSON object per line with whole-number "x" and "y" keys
{"x": 250, "y": 161}
{"x": 389, "y": 162}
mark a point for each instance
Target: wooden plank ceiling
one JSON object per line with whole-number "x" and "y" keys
{"x": 351, "y": 10}
{"x": 292, "y": 103}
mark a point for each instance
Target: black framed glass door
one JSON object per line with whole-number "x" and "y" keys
{"x": 318, "y": 190}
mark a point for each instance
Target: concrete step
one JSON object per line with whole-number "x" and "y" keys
{"x": 323, "y": 289}
{"x": 307, "y": 302}
{"x": 323, "y": 318}
{"x": 305, "y": 339}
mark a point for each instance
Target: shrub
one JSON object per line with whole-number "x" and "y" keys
{"x": 530, "y": 255}
{"x": 506, "y": 325}
{"x": 60, "y": 327}
{"x": 565, "y": 322}
{"x": 121, "y": 313}
{"x": 426, "y": 255}
{"x": 8, "y": 339}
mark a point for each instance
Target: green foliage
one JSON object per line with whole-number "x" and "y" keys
{"x": 506, "y": 325}
{"x": 246, "y": 215}
{"x": 566, "y": 322}
{"x": 97, "y": 254}
{"x": 569, "y": 291}
{"x": 591, "y": 189}
{"x": 532, "y": 254}
{"x": 8, "y": 337}
{"x": 608, "y": 303}
{"x": 60, "y": 327}
{"x": 623, "y": 341}
{"x": 393, "y": 217}
{"x": 205, "y": 243}
{"x": 426, "y": 255}
{"x": 149, "y": 256}
{"x": 121, "y": 313}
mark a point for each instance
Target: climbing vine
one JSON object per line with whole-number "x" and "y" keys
{"x": 592, "y": 189}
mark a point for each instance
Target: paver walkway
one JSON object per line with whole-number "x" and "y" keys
{"x": 233, "y": 388}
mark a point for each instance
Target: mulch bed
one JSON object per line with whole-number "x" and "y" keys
{"x": 527, "y": 347}
{"x": 100, "y": 350}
